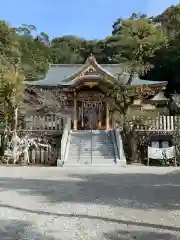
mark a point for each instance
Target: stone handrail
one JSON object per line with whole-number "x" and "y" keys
{"x": 65, "y": 138}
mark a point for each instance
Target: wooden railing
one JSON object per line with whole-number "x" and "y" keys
{"x": 161, "y": 123}
{"x": 51, "y": 122}
{"x": 46, "y": 156}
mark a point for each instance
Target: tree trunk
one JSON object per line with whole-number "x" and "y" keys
{"x": 134, "y": 155}
{"x": 4, "y": 134}
{"x": 130, "y": 79}
{"x": 130, "y": 142}
{"x": 3, "y": 146}
{"x": 14, "y": 133}
{"x": 14, "y": 119}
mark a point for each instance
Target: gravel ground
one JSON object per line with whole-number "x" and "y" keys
{"x": 88, "y": 203}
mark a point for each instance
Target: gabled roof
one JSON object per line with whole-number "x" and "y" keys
{"x": 138, "y": 81}
{"x": 66, "y": 74}
{"x": 160, "y": 97}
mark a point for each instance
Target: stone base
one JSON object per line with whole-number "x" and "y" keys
{"x": 121, "y": 163}
{"x": 60, "y": 163}
{"x": 91, "y": 165}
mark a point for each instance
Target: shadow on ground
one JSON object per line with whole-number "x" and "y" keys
{"x": 140, "y": 235}
{"x": 13, "y": 229}
{"x": 91, "y": 217}
{"x": 137, "y": 191}
{"x": 147, "y": 191}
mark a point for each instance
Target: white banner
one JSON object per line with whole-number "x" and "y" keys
{"x": 161, "y": 153}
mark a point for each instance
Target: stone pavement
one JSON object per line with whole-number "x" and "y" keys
{"x": 89, "y": 203}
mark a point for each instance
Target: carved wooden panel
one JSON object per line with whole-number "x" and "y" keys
{"x": 87, "y": 71}
{"x": 62, "y": 96}
{"x": 90, "y": 94}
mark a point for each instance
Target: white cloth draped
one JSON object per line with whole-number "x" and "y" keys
{"x": 161, "y": 153}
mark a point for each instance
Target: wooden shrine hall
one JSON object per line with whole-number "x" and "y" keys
{"x": 79, "y": 91}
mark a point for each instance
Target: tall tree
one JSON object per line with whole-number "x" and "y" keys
{"x": 170, "y": 20}
{"x": 11, "y": 78}
{"x": 138, "y": 39}
{"x": 65, "y": 50}
{"x": 166, "y": 61}
{"x": 71, "y": 49}
{"x": 122, "y": 97}
{"x": 35, "y": 52}
{"x": 22, "y": 57}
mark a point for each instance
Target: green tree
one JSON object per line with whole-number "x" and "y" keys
{"x": 170, "y": 20}
{"x": 22, "y": 57}
{"x": 122, "y": 97}
{"x": 35, "y": 52}
{"x": 138, "y": 40}
{"x": 11, "y": 77}
{"x": 74, "y": 50}
{"x": 166, "y": 61}
{"x": 65, "y": 50}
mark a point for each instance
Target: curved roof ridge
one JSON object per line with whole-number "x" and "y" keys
{"x": 103, "y": 70}
{"x": 109, "y": 64}
{"x": 80, "y": 64}
{"x": 64, "y": 64}
{"x": 76, "y": 73}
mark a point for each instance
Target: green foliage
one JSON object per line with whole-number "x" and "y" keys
{"x": 148, "y": 47}
{"x": 166, "y": 60}
{"x": 138, "y": 39}
{"x": 22, "y": 57}
{"x": 65, "y": 49}
{"x": 170, "y": 20}
{"x": 71, "y": 49}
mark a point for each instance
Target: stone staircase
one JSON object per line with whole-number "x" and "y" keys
{"x": 91, "y": 148}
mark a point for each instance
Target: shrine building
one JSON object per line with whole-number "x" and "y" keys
{"x": 80, "y": 91}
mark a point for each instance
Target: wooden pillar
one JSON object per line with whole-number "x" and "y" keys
{"x": 99, "y": 123}
{"x": 75, "y": 113}
{"x": 82, "y": 114}
{"x": 107, "y": 116}
{"x": 113, "y": 121}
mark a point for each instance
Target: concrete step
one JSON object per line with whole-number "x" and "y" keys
{"x": 92, "y": 150}
{"x": 102, "y": 152}
{"x": 89, "y": 156}
{"x": 91, "y": 147}
{"x": 89, "y": 153}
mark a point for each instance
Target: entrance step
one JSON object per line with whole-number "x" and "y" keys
{"x": 91, "y": 148}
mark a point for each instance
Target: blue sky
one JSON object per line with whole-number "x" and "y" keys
{"x": 88, "y": 19}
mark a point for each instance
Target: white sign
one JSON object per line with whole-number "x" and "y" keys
{"x": 161, "y": 153}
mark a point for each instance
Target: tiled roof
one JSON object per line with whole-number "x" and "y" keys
{"x": 160, "y": 97}
{"x": 62, "y": 74}
{"x": 56, "y": 74}
{"x": 138, "y": 81}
